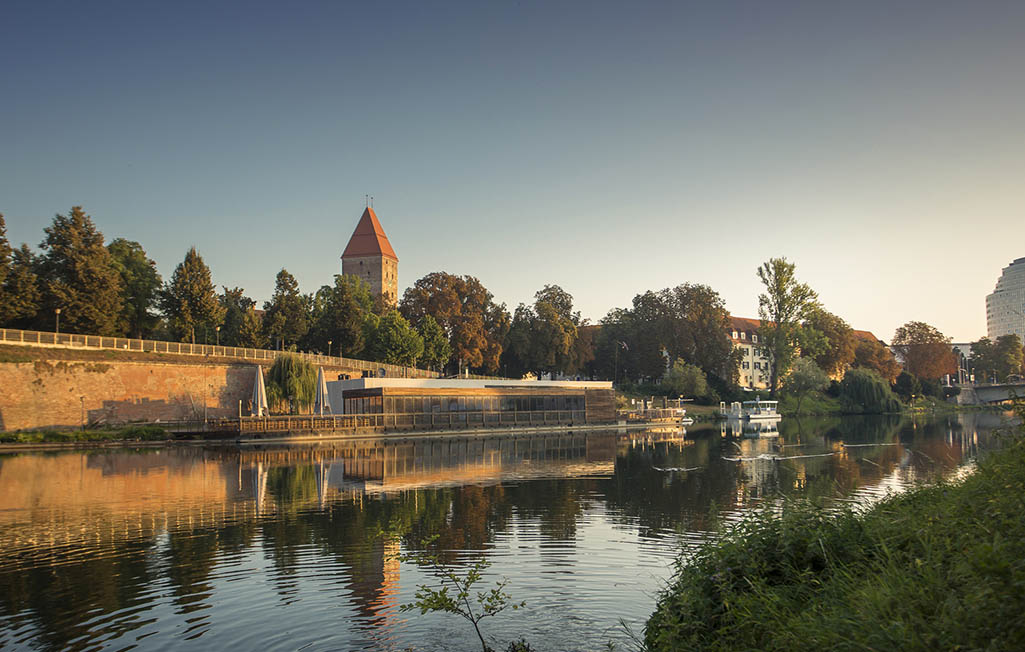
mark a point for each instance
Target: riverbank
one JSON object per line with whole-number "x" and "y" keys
{"x": 941, "y": 567}
{"x": 105, "y": 435}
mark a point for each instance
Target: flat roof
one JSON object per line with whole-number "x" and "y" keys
{"x": 467, "y": 383}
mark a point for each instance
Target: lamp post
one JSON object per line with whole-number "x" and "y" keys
{"x": 218, "y": 329}
{"x": 57, "y": 311}
{"x": 329, "y": 348}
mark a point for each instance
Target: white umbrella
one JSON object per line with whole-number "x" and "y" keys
{"x": 259, "y": 394}
{"x": 323, "y": 402}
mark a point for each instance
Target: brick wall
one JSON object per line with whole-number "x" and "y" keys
{"x": 60, "y": 393}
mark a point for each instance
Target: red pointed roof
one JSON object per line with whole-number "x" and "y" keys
{"x": 369, "y": 239}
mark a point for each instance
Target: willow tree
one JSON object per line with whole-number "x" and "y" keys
{"x": 292, "y": 381}
{"x": 782, "y": 307}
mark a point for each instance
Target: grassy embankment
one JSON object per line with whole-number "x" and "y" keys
{"x": 50, "y": 436}
{"x": 940, "y": 567}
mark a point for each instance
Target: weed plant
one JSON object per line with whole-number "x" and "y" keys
{"x": 940, "y": 567}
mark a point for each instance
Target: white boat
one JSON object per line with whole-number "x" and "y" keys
{"x": 752, "y": 410}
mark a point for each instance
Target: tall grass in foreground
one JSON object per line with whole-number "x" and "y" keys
{"x": 941, "y": 567}
{"x": 132, "y": 433}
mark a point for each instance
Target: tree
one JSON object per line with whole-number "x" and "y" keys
{"x": 142, "y": 285}
{"x": 341, "y": 311}
{"x": 837, "y": 351}
{"x": 291, "y": 379}
{"x": 697, "y": 328}
{"x": 19, "y": 291}
{"x": 286, "y": 318}
{"x": 876, "y": 356}
{"x": 21, "y": 295}
{"x": 925, "y": 351}
{"x": 189, "y": 301}
{"x": 684, "y": 379}
{"x": 541, "y": 336}
{"x": 805, "y": 377}
{"x": 475, "y": 325}
{"x": 241, "y": 325}
{"x": 862, "y": 391}
{"x": 395, "y": 341}
{"x": 436, "y": 348}
{"x": 78, "y": 276}
{"x": 907, "y": 386}
{"x": 783, "y": 305}
{"x": 997, "y": 360}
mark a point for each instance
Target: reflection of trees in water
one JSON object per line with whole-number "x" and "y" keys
{"x": 59, "y": 599}
{"x": 356, "y": 535}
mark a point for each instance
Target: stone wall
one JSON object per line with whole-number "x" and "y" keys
{"x": 69, "y": 393}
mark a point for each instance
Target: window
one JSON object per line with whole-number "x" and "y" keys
{"x": 758, "y": 365}
{"x": 743, "y": 335}
{"x": 747, "y": 365}
{"x": 734, "y": 334}
{"x": 754, "y": 338}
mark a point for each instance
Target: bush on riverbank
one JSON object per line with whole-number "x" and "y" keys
{"x": 128, "y": 433}
{"x": 941, "y": 567}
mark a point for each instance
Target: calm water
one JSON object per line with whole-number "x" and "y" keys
{"x": 295, "y": 548}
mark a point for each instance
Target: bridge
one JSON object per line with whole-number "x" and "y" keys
{"x": 979, "y": 394}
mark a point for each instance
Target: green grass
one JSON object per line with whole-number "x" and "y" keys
{"x": 941, "y": 567}
{"x": 814, "y": 404}
{"x": 133, "y": 433}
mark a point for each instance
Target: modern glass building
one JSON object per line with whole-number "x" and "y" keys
{"x": 1005, "y": 307}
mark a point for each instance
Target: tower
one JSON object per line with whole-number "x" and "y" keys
{"x": 369, "y": 256}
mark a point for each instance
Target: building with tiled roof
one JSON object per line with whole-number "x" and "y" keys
{"x": 755, "y": 367}
{"x": 370, "y": 256}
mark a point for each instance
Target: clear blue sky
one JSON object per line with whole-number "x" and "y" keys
{"x": 607, "y": 147}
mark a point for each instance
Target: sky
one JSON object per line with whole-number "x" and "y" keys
{"x": 607, "y": 147}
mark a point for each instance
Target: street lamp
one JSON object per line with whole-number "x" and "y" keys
{"x": 57, "y": 311}
{"x": 329, "y": 348}
{"x": 218, "y": 329}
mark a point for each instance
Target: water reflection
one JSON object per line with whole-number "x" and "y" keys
{"x": 291, "y": 546}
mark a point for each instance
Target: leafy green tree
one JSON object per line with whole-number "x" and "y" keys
{"x": 475, "y": 325}
{"x": 838, "y": 342}
{"x": 862, "y": 391}
{"x": 907, "y": 386}
{"x": 541, "y": 336}
{"x": 684, "y": 379}
{"x": 436, "y": 348}
{"x": 78, "y": 275}
{"x": 341, "y": 313}
{"x": 291, "y": 380}
{"x": 19, "y": 289}
{"x": 876, "y": 356}
{"x": 395, "y": 341}
{"x": 21, "y": 294}
{"x": 805, "y": 377}
{"x": 189, "y": 300}
{"x": 697, "y": 330}
{"x": 241, "y": 325}
{"x": 925, "y": 351}
{"x": 997, "y": 360}
{"x": 142, "y": 284}
{"x": 286, "y": 317}
{"x": 782, "y": 307}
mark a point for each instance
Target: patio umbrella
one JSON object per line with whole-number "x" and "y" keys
{"x": 323, "y": 401}
{"x": 259, "y": 394}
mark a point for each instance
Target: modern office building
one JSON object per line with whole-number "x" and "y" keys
{"x": 1005, "y": 307}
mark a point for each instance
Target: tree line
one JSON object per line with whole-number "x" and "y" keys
{"x": 674, "y": 340}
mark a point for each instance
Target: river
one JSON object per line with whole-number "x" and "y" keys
{"x": 296, "y": 548}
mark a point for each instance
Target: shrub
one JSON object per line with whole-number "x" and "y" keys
{"x": 864, "y": 392}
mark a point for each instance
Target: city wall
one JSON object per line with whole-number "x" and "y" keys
{"x": 49, "y": 392}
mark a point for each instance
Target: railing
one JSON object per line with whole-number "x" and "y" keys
{"x": 74, "y": 340}
{"x": 353, "y": 422}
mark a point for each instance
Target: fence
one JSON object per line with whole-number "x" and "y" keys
{"x": 73, "y": 340}
{"x": 341, "y": 422}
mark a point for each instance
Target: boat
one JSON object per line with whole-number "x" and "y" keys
{"x": 756, "y": 410}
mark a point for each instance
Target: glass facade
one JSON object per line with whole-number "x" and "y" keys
{"x": 445, "y": 404}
